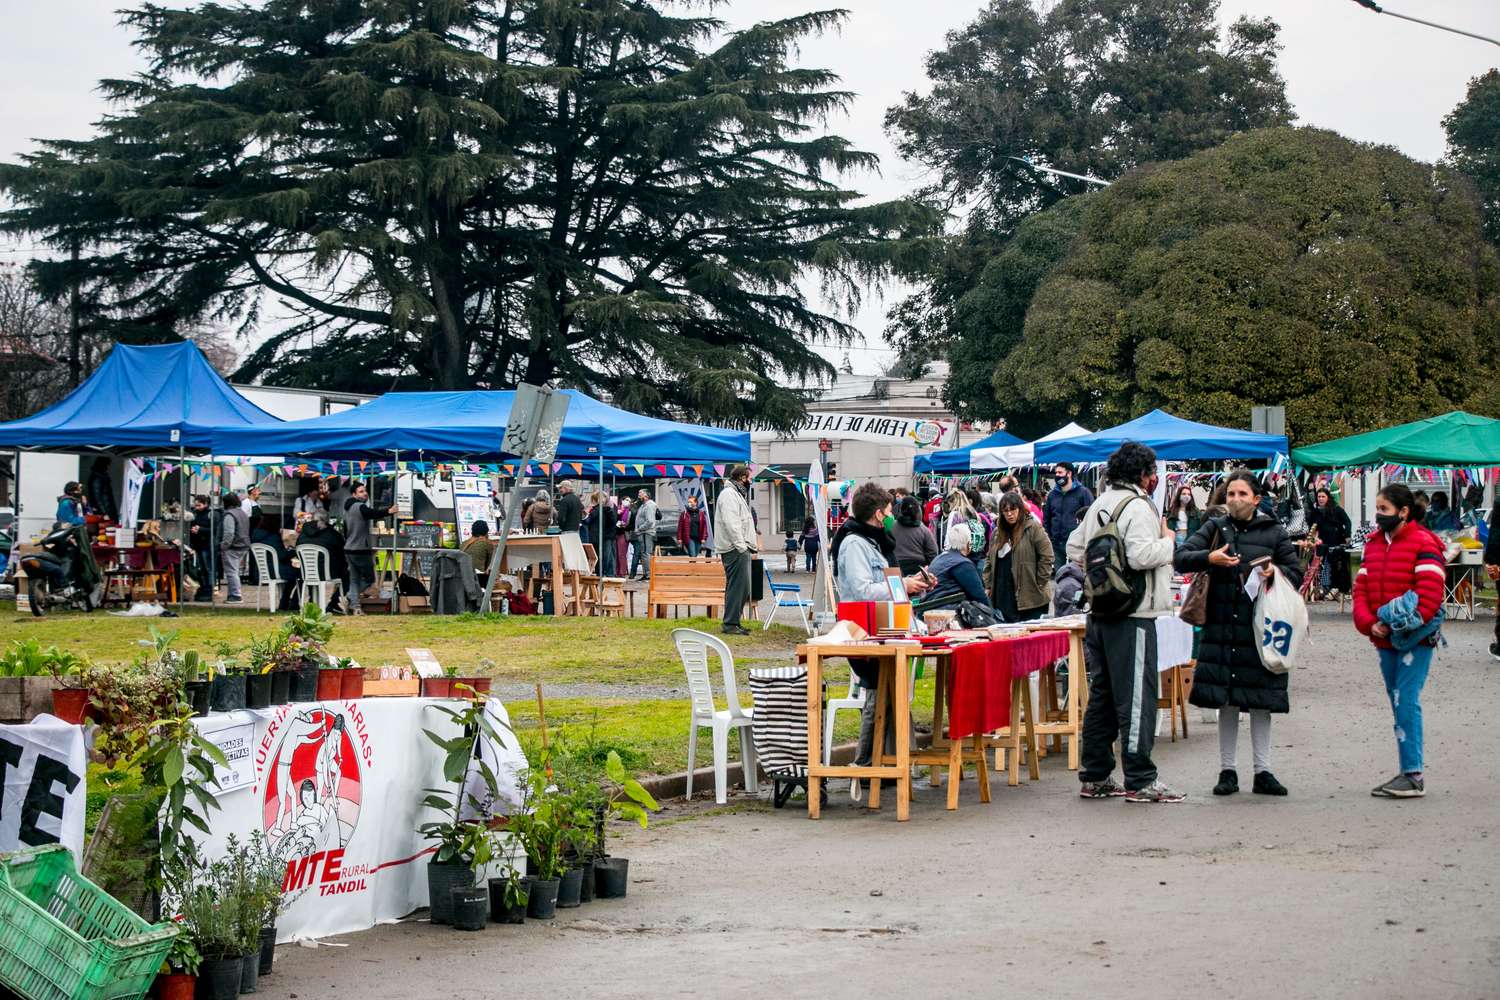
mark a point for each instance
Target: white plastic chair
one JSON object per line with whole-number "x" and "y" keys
{"x": 315, "y": 563}
{"x": 268, "y": 572}
{"x": 788, "y": 595}
{"x": 855, "y": 701}
{"x": 693, "y": 646}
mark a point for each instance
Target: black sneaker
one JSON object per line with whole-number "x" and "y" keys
{"x": 1266, "y": 784}
{"x": 1402, "y": 786}
{"x": 1105, "y": 789}
{"x": 1229, "y": 783}
{"x": 1495, "y": 650}
{"x": 735, "y": 630}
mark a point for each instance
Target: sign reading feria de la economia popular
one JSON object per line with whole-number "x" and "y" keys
{"x": 909, "y": 431}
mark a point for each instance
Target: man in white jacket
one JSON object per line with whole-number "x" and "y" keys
{"x": 736, "y": 543}
{"x": 1121, "y": 653}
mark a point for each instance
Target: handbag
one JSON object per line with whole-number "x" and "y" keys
{"x": 1195, "y": 601}
{"x": 972, "y": 614}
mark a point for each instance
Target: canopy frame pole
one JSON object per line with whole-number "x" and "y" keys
{"x": 182, "y": 526}
{"x": 599, "y": 549}
{"x": 395, "y": 533}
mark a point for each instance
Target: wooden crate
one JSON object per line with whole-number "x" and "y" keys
{"x": 24, "y": 698}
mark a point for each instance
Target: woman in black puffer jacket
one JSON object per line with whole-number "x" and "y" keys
{"x": 1230, "y": 676}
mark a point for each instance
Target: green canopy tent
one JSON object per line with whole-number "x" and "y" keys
{"x": 1454, "y": 439}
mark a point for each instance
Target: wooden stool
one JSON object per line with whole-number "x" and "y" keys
{"x": 609, "y": 596}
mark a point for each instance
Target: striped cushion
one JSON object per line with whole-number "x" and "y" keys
{"x": 780, "y": 721}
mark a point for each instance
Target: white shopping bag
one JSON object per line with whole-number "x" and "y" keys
{"x": 1281, "y": 624}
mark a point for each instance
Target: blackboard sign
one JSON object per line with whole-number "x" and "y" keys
{"x": 426, "y": 535}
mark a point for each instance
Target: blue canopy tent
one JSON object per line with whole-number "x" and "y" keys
{"x": 141, "y": 400}
{"x": 471, "y": 425}
{"x": 956, "y": 461}
{"x": 1172, "y": 438}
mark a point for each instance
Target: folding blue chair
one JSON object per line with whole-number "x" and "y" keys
{"x": 788, "y": 595}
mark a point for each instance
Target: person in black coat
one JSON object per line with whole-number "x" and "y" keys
{"x": 569, "y": 508}
{"x": 1230, "y": 676}
{"x": 319, "y": 532}
{"x": 1334, "y": 529}
{"x": 267, "y": 531}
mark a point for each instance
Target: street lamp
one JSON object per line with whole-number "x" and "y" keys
{"x": 1372, "y": 5}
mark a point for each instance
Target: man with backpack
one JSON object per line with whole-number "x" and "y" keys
{"x": 1126, "y": 551}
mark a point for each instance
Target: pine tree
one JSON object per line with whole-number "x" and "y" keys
{"x": 601, "y": 194}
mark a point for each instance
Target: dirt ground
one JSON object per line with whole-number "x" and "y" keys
{"x": 1328, "y": 893}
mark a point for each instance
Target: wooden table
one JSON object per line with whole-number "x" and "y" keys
{"x": 1070, "y": 724}
{"x": 149, "y": 578}
{"x": 530, "y": 549}
{"x": 895, "y": 664}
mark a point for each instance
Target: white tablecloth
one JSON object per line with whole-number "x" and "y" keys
{"x": 337, "y": 789}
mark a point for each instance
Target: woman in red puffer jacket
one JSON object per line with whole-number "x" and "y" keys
{"x": 1402, "y": 556}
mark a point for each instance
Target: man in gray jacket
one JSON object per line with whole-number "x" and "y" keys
{"x": 643, "y": 533}
{"x": 736, "y": 543}
{"x": 359, "y": 542}
{"x": 1121, "y": 653}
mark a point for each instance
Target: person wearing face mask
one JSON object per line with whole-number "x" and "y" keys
{"x": 1060, "y": 511}
{"x": 1018, "y": 567}
{"x": 1230, "y": 676}
{"x": 1402, "y": 557}
{"x": 1183, "y": 517}
{"x": 1121, "y": 652}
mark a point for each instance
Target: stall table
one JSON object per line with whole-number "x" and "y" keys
{"x": 984, "y": 685}
{"x": 146, "y": 572}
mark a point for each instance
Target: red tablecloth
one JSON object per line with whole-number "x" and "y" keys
{"x": 980, "y": 673}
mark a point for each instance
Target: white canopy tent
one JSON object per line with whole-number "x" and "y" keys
{"x": 1016, "y": 456}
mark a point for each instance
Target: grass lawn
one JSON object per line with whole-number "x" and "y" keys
{"x": 555, "y": 650}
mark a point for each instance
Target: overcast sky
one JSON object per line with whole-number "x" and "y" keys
{"x": 1367, "y": 76}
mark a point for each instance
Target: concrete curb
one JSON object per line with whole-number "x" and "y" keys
{"x": 674, "y": 786}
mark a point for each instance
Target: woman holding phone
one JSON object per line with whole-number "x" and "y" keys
{"x": 1230, "y": 676}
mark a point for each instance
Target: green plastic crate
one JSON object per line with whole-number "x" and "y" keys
{"x": 67, "y": 939}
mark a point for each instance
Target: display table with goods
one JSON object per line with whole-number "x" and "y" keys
{"x": 982, "y": 683}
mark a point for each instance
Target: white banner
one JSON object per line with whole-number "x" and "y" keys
{"x": 337, "y": 790}
{"x": 43, "y": 767}
{"x": 135, "y": 483}
{"x": 868, "y": 427}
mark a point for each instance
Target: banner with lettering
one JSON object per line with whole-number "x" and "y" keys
{"x": 43, "y": 767}
{"x": 337, "y": 789}
{"x": 867, "y": 427}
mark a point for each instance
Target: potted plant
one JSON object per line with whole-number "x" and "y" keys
{"x": 265, "y": 899}
{"x": 28, "y": 676}
{"x": 438, "y": 687}
{"x": 471, "y": 900}
{"x": 628, "y": 800}
{"x": 508, "y": 895}
{"x": 210, "y": 910}
{"x": 300, "y": 647}
{"x": 351, "y": 680}
{"x": 330, "y": 680}
{"x": 536, "y": 824}
{"x": 71, "y": 694}
{"x": 475, "y": 685}
{"x": 226, "y": 691}
{"x": 461, "y": 834}
{"x": 178, "y": 978}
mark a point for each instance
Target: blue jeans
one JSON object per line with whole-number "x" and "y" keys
{"x": 691, "y": 547}
{"x": 607, "y": 559}
{"x": 1404, "y": 674}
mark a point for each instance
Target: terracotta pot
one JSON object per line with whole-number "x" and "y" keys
{"x": 330, "y": 682}
{"x": 352, "y": 683}
{"x": 71, "y": 704}
{"x": 474, "y": 686}
{"x": 175, "y": 986}
{"x": 437, "y": 687}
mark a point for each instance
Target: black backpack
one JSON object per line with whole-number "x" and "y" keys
{"x": 1113, "y": 587}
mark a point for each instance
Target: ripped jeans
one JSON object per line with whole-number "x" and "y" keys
{"x": 1404, "y": 674}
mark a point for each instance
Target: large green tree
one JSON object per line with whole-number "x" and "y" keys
{"x": 1474, "y": 144}
{"x": 1090, "y": 87}
{"x": 1292, "y": 267}
{"x": 615, "y": 195}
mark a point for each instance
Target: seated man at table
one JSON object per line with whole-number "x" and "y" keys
{"x": 861, "y": 553}
{"x": 955, "y": 572}
{"x": 319, "y": 532}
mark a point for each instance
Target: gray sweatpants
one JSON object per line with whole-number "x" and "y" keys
{"x": 1123, "y": 686}
{"x": 234, "y": 562}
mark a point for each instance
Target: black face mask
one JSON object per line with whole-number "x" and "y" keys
{"x": 1388, "y": 523}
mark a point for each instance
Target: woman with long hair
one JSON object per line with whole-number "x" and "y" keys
{"x": 1398, "y": 594}
{"x": 1334, "y": 528}
{"x": 1183, "y": 516}
{"x": 1018, "y": 566}
{"x": 1230, "y": 676}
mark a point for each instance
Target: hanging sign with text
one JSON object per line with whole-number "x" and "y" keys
{"x": 42, "y": 795}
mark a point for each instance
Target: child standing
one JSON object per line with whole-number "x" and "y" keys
{"x": 790, "y": 548}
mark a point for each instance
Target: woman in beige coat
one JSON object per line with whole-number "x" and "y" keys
{"x": 1018, "y": 566}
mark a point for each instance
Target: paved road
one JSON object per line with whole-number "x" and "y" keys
{"x": 1329, "y": 893}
